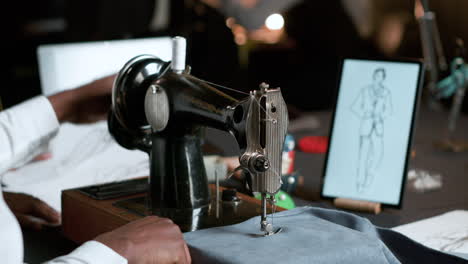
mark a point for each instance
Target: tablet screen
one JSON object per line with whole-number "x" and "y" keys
{"x": 371, "y": 130}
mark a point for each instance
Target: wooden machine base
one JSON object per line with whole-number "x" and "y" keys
{"x": 84, "y": 218}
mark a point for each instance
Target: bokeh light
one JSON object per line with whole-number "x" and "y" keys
{"x": 274, "y": 22}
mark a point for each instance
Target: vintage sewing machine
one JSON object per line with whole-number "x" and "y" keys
{"x": 159, "y": 108}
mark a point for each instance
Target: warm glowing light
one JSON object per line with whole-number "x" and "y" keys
{"x": 230, "y": 21}
{"x": 418, "y": 9}
{"x": 240, "y": 39}
{"x": 274, "y": 22}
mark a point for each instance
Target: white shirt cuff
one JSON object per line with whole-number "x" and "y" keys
{"x": 93, "y": 252}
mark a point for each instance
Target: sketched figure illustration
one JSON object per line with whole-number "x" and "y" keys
{"x": 372, "y": 105}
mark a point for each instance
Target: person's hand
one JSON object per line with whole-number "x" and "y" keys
{"x": 86, "y": 104}
{"x": 148, "y": 240}
{"x": 31, "y": 212}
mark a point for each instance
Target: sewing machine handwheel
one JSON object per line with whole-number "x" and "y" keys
{"x": 126, "y": 138}
{"x": 130, "y": 86}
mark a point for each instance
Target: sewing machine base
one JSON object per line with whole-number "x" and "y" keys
{"x": 84, "y": 218}
{"x": 205, "y": 217}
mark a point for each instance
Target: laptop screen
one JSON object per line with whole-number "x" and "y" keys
{"x": 67, "y": 66}
{"x": 371, "y": 130}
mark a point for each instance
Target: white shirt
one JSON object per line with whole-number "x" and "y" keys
{"x": 25, "y": 131}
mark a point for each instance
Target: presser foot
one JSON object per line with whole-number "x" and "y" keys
{"x": 266, "y": 227}
{"x": 269, "y": 231}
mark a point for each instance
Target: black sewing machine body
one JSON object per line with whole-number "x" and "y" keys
{"x": 163, "y": 113}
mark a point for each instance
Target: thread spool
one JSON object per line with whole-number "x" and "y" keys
{"x": 179, "y": 47}
{"x": 358, "y": 205}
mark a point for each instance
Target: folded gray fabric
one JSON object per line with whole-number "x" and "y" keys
{"x": 310, "y": 235}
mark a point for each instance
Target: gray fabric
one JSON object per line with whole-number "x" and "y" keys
{"x": 310, "y": 235}
{"x": 461, "y": 255}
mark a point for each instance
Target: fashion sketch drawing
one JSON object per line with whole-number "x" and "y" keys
{"x": 372, "y": 106}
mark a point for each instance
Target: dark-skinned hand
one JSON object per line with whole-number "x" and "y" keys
{"x": 31, "y": 212}
{"x": 86, "y": 104}
{"x": 148, "y": 240}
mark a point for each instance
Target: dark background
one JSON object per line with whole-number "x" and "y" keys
{"x": 304, "y": 63}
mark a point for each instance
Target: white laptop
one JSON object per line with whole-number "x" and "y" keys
{"x": 69, "y": 65}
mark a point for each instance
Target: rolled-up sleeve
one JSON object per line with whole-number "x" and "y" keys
{"x": 89, "y": 253}
{"x": 25, "y": 131}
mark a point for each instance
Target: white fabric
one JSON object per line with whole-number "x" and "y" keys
{"x": 24, "y": 132}
{"x": 81, "y": 155}
{"x": 85, "y": 155}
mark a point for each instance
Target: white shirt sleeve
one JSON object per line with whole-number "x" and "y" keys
{"x": 89, "y": 253}
{"x": 25, "y": 131}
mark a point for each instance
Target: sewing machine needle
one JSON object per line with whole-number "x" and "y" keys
{"x": 217, "y": 193}
{"x": 266, "y": 227}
